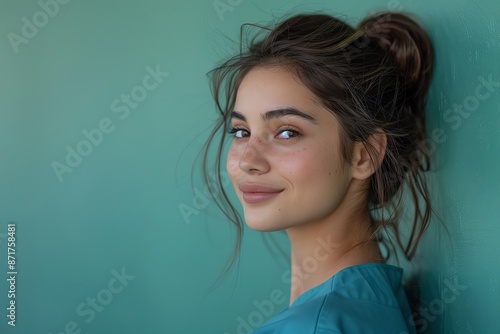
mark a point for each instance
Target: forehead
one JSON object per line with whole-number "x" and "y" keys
{"x": 273, "y": 88}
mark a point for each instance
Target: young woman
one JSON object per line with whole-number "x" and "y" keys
{"x": 327, "y": 125}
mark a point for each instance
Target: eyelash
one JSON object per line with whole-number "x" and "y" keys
{"x": 236, "y": 129}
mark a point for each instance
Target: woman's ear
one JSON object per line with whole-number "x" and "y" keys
{"x": 363, "y": 165}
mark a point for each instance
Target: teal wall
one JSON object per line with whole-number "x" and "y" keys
{"x": 102, "y": 245}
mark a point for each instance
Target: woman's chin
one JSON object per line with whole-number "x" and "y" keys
{"x": 263, "y": 225}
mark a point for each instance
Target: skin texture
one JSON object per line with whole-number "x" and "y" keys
{"x": 322, "y": 203}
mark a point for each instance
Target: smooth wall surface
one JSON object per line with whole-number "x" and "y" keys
{"x": 104, "y": 107}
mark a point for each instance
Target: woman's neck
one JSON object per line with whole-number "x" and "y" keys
{"x": 319, "y": 250}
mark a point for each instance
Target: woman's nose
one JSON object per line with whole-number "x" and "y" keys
{"x": 254, "y": 157}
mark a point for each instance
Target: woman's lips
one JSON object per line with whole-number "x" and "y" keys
{"x": 256, "y": 193}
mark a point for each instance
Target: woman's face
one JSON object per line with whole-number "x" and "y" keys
{"x": 284, "y": 161}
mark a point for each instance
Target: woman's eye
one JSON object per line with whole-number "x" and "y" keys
{"x": 288, "y": 134}
{"x": 238, "y": 133}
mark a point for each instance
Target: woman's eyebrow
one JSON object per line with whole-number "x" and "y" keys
{"x": 272, "y": 114}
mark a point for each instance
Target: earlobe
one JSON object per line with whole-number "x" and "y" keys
{"x": 368, "y": 156}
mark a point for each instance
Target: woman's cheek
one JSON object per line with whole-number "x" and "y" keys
{"x": 300, "y": 162}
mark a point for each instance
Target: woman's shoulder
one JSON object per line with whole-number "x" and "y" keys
{"x": 378, "y": 283}
{"x": 367, "y": 298}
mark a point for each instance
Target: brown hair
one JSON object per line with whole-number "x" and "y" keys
{"x": 374, "y": 76}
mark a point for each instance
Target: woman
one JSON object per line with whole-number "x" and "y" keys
{"x": 328, "y": 124}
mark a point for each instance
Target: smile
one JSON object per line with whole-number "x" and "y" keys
{"x": 256, "y": 193}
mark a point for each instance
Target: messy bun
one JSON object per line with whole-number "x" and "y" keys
{"x": 375, "y": 76}
{"x": 405, "y": 44}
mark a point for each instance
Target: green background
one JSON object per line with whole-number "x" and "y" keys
{"x": 119, "y": 209}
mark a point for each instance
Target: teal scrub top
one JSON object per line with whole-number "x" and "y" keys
{"x": 366, "y": 298}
